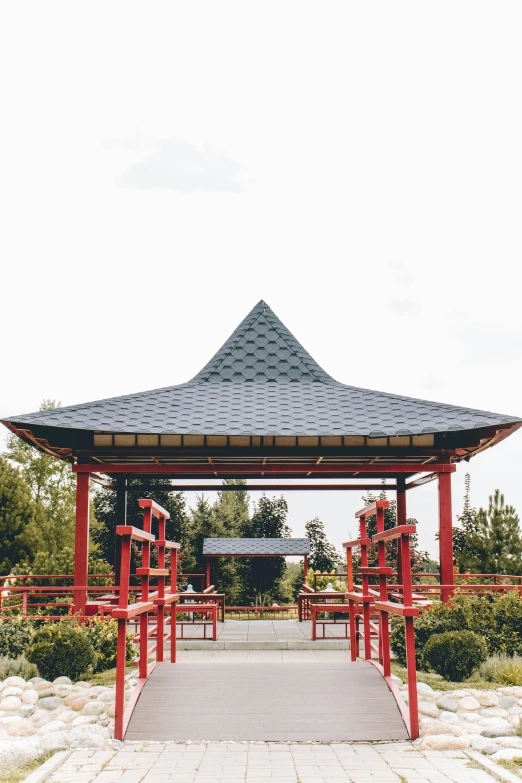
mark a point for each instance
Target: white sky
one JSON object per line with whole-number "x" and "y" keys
{"x": 357, "y": 165}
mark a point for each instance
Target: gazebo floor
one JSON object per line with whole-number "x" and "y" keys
{"x": 271, "y": 701}
{"x": 264, "y": 635}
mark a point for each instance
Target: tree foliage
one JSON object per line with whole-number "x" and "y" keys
{"x": 18, "y": 518}
{"x": 262, "y": 575}
{"x": 323, "y": 556}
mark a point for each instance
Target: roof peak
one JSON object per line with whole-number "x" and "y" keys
{"x": 262, "y": 350}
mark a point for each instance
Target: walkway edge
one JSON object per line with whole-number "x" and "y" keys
{"x": 496, "y": 770}
{"x": 51, "y": 765}
{"x": 327, "y": 644}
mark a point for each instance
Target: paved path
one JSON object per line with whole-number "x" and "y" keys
{"x": 265, "y": 698}
{"x": 217, "y": 762}
{"x": 266, "y": 632}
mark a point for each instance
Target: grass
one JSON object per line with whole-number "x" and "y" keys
{"x": 15, "y": 774}
{"x": 108, "y": 677}
{"x": 513, "y": 765}
{"x": 502, "y": 669}
{"x": 438, "y": 683}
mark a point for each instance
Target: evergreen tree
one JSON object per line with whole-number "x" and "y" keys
{"x": 53, "y": 489}
{"x": 18, "y": 518}
{"x": 495, "y": 543}
{"x": 262, "y": 575}
{"x": 418, "y": 558}
{"x": 463, "y": 550}
{"x": 104, "y": 531}
{"x": 208, "y": 521}
{"x": 323, "y": 556}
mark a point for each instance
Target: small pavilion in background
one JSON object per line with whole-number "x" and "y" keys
{"x": 263, "y": 408}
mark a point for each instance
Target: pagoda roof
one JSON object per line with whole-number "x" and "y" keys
{"x": 255, "y": 547}
{"x": 263, "y": 382}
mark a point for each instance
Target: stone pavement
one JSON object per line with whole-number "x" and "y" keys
{"x": 226, "y": 762}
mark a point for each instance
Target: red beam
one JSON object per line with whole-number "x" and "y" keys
{"x": 248, "y": 468}
{"x": 395, "y": 532}
{"x": 157, "y": 511}
{"x": 370, "y": 511}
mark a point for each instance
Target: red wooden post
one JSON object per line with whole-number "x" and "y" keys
{"x": 173, "y": 570}
{"x": 445, "y": 534}
{"x": 81, "y": 542}
{"x": 305, "y": 568}
{"x": 121, "y": 652}
{"x": 365, "y": 592}
{"x": 208, "y": 573}
{"x": 349, "y": 568}
{"x": 144, "y": 617}
{"x": 401, "y": 520}
{"x": 160, "y": 626}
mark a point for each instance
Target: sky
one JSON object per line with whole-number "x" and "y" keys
{"x": 164, "y": 166}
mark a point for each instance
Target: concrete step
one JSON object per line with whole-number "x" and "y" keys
{"x": 255, "y": 644}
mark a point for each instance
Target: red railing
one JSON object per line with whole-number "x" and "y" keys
{"x": 157, "y": 603}
{"x": 377, "y": 600}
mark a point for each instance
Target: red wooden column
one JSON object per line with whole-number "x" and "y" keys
{"x": 207, "y": 580}
{"x": 445, "y": 534}
{"x": 401, "y": 520}
{"x": 305, "y": 568}
{"x": 81, "y": 542}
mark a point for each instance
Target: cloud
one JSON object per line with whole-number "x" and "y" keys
{"x": 166, "y": 163}
{"x": 404, "y": 306}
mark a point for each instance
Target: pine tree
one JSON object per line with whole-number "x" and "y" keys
{"x": 262, "y": 575}
{"x": 18, "y": 518}
{"x": 323, "y": 556}
{"x": 467, "y": 527}
{"x": 495, "y": 543}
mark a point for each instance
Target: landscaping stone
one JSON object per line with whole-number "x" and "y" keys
{"x": 53, "y": 725}
{"x": 83, "y": 720}
{"x": 507, "y": 702}
{"x": 431, "y": 726}
{"x": 21, "y": 728}
{"x": 428, "y": 708}
{"x": 18, "y": 751}
{"x": 42, "y": 685}
{"x": 14, "y": 682}
{"x": 93, "y": 708}
{"x": 107, "y": 696}
{"x": 470, "y": 717}
{"x": 506, "y": 754}
{"x": 26, "y": 710}
{"x": 45, "y": 692}
{"x": 469, "y": 703}
{"x": 55, "y": 740}
{"x": 446, "y": 703}
{"x": 483, "y": 745}
{"x": 488, "y": 699}
{"x": 449, "y": 717}
{"x": 12, "y": 691}
{"x": 79, "y": 703}
{"x": 509, "y": 742}
{"x": 50, "y": 702}
{"x": 426, "y": 692}
{"x": 496, "y": 732}
{"x": 10, "y": 704}
{"x": 444, "y": 742}
{"x": 494, "y": 712}
{"x": 30, "y": 697}
{"x": 62, "y": 681}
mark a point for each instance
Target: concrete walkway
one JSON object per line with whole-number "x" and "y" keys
{"x": 263, "y": 634}
{"x": 224, "y": 762}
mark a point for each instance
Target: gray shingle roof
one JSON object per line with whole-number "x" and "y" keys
{"x": 263, "y": 382}
{"x": 256, "y": 546}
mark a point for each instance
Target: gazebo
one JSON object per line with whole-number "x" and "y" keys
{"x": 256, "y": 547}
{"x": 263, "y": 408}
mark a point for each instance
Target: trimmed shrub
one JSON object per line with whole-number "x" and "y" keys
{"x": 103, "y": 636}
{"x": 502, "y": 669}
{"x": 15, "y": 636}
{"x": 455, "y": 654}
{"x": 61, "y": 649}
{"x": 17, "y": 667}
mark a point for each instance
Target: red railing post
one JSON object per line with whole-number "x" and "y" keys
{"x": 81, "y": 542}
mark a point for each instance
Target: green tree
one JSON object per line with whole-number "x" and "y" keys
{"x": 18, "y": 517}
{"x": 104, "y": 532}
{"x": 463, "y": 550}
{"x": 262, "y": 575}
{"x": 207, "y": 521}
{"x": 53, "y": 489}
{"x": 323, "y": 556}
{"x": 495, "y": 545}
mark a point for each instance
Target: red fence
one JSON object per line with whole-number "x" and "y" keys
{"x": 362, "y": 599}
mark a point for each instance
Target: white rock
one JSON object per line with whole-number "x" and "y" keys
{"x": 516, "y": 691}
{"x": 446, "y": 703}
{"x": 10, "y": 703}
{"x": 29, "y": 697}
{"x": 430, "y": 726}
{"x": 470, "y": 717}
{"x": 21, "y": 728}
{"x": 488, "y": 699}
{"x": 15, "y": 682}
{"x": 483, "y": 745}
{"x": 449, "y": 717}
{"x": 62, "y": 681}
{"x": 12, "y": 690}
{"x": 507, "y": 754}
{"x": 509, "y": 742}
{"x": 17, "y": 751}
{"x": 494, "y": 712}
{"x": 426, "y": 692}
{"x": 55, "y": 740}
{"x": 89, "y": 736}
{"x": 68, "y": 716}
{"x": 84, "y": 720}
{"x": 469, "y": 703}
{"x": 444, "y": 742}
{"x": 53, "y": 725}
{"x": 107, "y": 696}
{"x": 429, "y": 708}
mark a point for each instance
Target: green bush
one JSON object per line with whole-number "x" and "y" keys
{"x": 455, "y": 654}
{"x": 498, "y": 618}
{"x": 61, "y": 648}
{"x": 15, "y": 636}
{"x": 103, "y": 636}
{"x": 17, "y": 667}
{"x": 502, "y": 669}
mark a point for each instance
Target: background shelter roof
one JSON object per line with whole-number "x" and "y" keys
{"x": 255, "y": 547}
{"x": 262, "y": 382}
